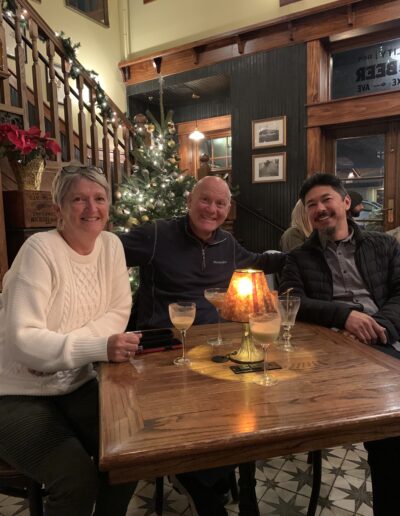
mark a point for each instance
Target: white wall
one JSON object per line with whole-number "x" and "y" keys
{"x": 163, "y": 24}
{"x": 100, "y": 46}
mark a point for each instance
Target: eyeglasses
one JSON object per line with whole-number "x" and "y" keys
{"x": 72, "y": 169}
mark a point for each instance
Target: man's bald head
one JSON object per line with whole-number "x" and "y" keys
{"x": 208, "y": 204}
{"x": 212, "y": 182}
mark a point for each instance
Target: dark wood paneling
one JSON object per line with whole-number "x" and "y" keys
{"x": 266, "y": 85}
{"x": 263, "y": 85}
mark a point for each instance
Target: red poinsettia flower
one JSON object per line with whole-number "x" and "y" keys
{"x": 24, "y": 145}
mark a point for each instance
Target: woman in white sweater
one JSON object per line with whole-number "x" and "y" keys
{"x": 65, "y": 304}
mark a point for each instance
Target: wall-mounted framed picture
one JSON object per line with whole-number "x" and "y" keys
{"x": 269, "y": 168}
{"x": 269, "y": 132}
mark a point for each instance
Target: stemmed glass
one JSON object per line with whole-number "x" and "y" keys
{"x": 216, "y": 296}
{"x": 264, "y": 328}
{"x": 182, "y": 315}
{"x": 288, "y": 308}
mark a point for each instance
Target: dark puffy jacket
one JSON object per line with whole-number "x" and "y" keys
{"x": 377, "y": 258}
{"x": 177, "y": 266}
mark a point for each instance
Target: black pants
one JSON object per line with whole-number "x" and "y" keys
{"x": 384, "y": 461}
{"x": 55, "y": 440}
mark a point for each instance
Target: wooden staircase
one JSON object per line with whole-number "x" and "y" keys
{"x": 36, "y": 88}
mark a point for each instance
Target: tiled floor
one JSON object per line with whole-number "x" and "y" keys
{"x": 283, "y": 488}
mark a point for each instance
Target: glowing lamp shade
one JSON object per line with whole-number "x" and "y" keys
{"x": 196, "y": 135}
{"x": 248, "y": 292}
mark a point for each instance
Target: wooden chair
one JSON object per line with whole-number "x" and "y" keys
{"x": 13, "y": 483}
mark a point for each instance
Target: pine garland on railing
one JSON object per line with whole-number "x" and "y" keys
{"x": 70, "y": 49}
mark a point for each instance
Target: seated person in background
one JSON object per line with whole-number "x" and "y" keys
{"x": 356, "y": 206}
{"x": 65, "y": 303}
{"x": 181, "y": 257}
{"x": 350, "y": 279}
{"x": 300, "y": 229}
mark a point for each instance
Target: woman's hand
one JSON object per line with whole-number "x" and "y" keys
{"x": 122, "y": 346}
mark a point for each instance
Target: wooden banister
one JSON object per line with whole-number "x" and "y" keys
{"x": 66, "y": 107}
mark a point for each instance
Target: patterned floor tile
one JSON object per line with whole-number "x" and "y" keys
{"x": 283, "y": 488}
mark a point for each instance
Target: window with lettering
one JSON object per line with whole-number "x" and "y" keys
{"x": 366, "y": 70}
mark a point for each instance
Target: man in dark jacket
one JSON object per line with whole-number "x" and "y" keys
{"x": 181, "y": 257}
{"x": 350, "y": 280}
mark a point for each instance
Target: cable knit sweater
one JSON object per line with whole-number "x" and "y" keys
{"x": 57, "y": 310}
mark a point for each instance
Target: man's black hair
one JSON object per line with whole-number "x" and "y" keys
{"x": 322, "y": 179}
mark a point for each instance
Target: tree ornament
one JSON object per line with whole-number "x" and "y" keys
{"x": 117, "y": 195}
{"x": 171, "y": 144}
{"x": 150, "y": 128}
{"x": 172, "y": 160}
{"x": 133, "y": 221}
{"x": 145, "y": 218}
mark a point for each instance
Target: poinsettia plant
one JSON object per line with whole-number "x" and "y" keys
{"x": 23, "y": 146}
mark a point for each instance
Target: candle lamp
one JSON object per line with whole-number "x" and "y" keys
{"x": 247, "y": 293}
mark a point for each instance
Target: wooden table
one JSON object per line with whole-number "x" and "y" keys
{"x": 158, "y": 418}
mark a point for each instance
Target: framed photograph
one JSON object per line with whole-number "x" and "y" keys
{"x": 269, "y": 168}
{"x": 270, "y": 132}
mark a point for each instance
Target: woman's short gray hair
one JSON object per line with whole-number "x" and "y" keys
{"x": 68, "y": 175}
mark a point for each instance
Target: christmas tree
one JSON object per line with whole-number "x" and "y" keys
{"x": 157, "y": 187}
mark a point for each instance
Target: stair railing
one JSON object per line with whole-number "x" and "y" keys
{"x": 36, "y": 88}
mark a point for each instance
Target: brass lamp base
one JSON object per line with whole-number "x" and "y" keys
{"x": 247, "y": 352}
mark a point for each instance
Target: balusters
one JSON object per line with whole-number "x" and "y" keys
{"x": 4, "y": 83}
{"x": 116, "y": 154}
{"x": 69, "y": 123}
{"x": 106, "y": 151}
{"x": 94, "y": 135}
{"x": 81, "y": 120}
{"x": 20, "y": 70}
{"x": 52, "y": 89}
{"x": 127, "y": 163}
{"x": 37, "y": 80}
{"x": 69, "y": 133}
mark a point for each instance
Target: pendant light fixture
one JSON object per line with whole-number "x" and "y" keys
{"x": 196, "y": 135}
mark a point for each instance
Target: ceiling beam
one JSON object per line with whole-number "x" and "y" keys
{"x": 306, "y": 26}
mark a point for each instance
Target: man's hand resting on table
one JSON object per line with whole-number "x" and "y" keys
{"x": 364, "y": 328}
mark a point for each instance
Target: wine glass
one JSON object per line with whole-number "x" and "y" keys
{"x": 264, "y": 328}
{"x": 182, "y": 315}
{"x": 216, "y": 296}
{"x": 288, "y": 308}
